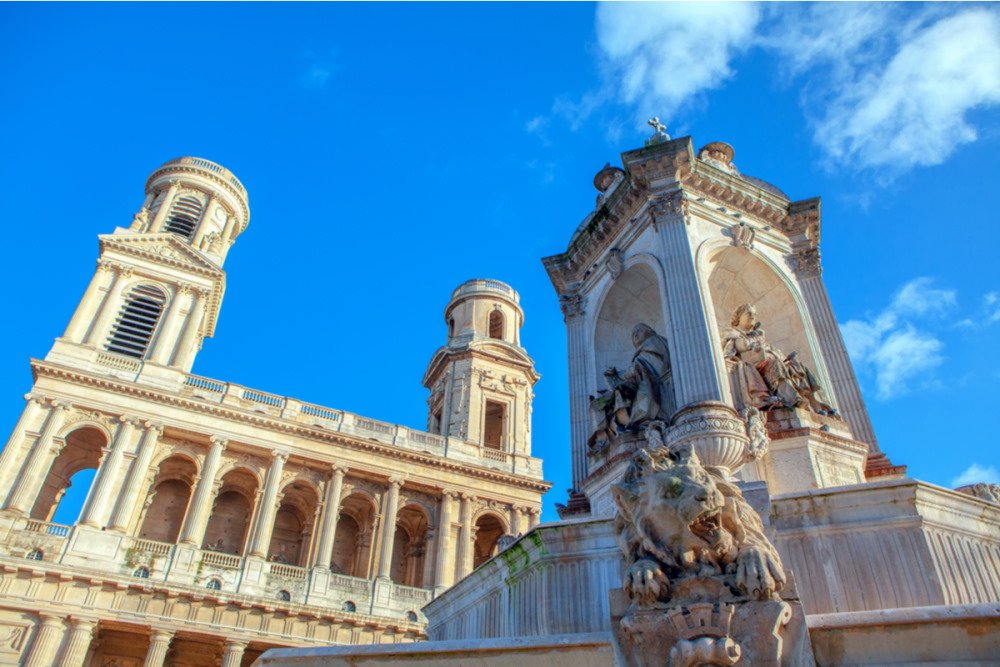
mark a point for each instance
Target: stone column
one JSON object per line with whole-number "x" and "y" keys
{"x": 230, "y": 231}
{"x": 26, "y": 490}
{"x": 845, "y": 391}
{"x": 268, "y": 507}
{"x": 444, "y": 575}
{"x": 32, "y": 409}
{"x": 389, "y": 527}
{"x": 95, "y": 511}
{"x": 328, "y": 520}
{"x": 140, "y": 466}
{"x": 48, "y": 636}
{"x": 430, "y": 550}
{"x": 573, "y": 308}
{"x": 187, "y": 347}
{"x": 197, "y": 517}
{"x": 696, "y": 376}
{"x": 517, "y": 520}
{"x": 206, "y": 217}
{"x": 166, "y": 338}
{"x": 534, "y": 517}
{"x": 161, "y": 213}
{"x": 159, "y": 644}
{"x": 108, "y": 308}
{"x": 232, "y": 656}
{"x": 101, "y": 283}
{"x": 80, "y": 633}
{"x": 465, "y": 537}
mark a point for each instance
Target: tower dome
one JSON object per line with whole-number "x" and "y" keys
{"x": 484, "y": 309}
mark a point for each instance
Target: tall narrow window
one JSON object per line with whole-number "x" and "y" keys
{"x": 137, "y": 321}
{"x": 496, "y": 325}
{"x": 493, "y": 425}
{"x": 184, "y": 217}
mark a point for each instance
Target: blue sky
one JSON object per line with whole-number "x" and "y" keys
{"x": 393, "y": 151}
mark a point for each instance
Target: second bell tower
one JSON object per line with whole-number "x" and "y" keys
{"x": 481, "y": 381}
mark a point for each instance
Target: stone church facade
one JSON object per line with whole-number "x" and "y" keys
{"x": 224, "y": 520}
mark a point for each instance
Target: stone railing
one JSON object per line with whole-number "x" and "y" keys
{"x": 283, "y": 407}
{"x": 486, "y": 285}
{"x": 210, "y": 166}
{"x": 288, "y": 571}
{"x": 119, "y": 362}
{"x": 217, "y": 559}
{"x": 419, "y": 596}
{"x": 152, "y": 547}
{"x": 348, "y": 583}
{"x": 56, "y": 529}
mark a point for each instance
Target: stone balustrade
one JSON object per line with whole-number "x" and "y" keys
{"x": 286, "y": 408}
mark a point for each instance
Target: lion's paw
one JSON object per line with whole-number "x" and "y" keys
{"x": 759, "y": 573}
{"x": 645, "y": 582}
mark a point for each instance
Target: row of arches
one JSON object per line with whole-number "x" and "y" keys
{"x": 234, "y": 513}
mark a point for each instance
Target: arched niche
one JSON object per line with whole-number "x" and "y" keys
{"x": 229, "y": 522}
{"x": 736, "y": 277}
{"x": 293, "y": 523}
{"x": 634, "y": 298}
{"x": 489, "y": 529}
{"x": 169, "y": 499}
{"x": 353, "y": 539}
{"x": 409, "y": 542}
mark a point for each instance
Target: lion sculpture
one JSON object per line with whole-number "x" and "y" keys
{"x": 679, "y": 521}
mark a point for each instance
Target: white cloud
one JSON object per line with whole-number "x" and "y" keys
{"x": 991, "y": 302}
{"x": 898, "y": 353}
{"x": 886, "y": 87}
{"x": 662, "y": 55}
{"x": 976, "y": 474}
{"x": 912, "y": 111}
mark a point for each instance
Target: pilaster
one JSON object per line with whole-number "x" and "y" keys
{"x": 269, "y": 501}
{"x": 23, "y": 496}
{"x": 129, "y": 497}
{"x": 95, "y": 511}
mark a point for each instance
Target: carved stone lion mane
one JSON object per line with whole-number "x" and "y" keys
{"x": 679, "y": 520}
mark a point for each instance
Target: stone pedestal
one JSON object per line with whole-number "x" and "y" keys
{"x": 811, "y": 451}
{"x": 711, "y": 627}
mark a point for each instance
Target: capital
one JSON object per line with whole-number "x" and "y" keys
{"x": 61, "y": 406}
{"x": 449, "y": 493}
{"x": 153, "y": 427}
{"x": 219, "y": 441}
{"x": 37, "y": 399}
{"x": 184, "y": 288}
{"x": 467, "y": 497}
{"x": 396, "y": 481}
{"x": 106, "y": 266}
{"x": 573, "y": 305}
{"x": 161, "y": 635}
{"x": 129, "y": 419}
{"x": 338, "y": 470}
{"x": 280, "y": 455}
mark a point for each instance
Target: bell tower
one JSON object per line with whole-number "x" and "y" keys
{"x": 159, "y": 282}
{"x": 481, "y": 380}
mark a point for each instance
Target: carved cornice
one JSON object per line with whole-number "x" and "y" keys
{"x": 277, "y": 425}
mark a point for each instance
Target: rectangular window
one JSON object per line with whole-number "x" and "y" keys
{"x": 493, "y": 425}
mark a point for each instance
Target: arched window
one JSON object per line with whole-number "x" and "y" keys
{"x": 411, "y": 616}
{"x": 184, "y": 217}
{"x": 350, "y": 606}
{"x": 35, "y": 554}
{"x": 214, "y": 585}
{"x": 141, "y": 573}
{"x": 496, "y": 325}
{"x": 137, "y": 321}
{"x": 284, "y": 596}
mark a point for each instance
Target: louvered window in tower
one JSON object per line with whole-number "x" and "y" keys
{"x": 184, "y": 217}
{"x": 133, "y": 330}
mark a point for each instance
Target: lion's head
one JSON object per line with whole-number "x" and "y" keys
{"x": 678, "y": 519}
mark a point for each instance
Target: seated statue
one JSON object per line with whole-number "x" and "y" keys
{"x": 639, "y": 395}
{"x": 764, "y": 376}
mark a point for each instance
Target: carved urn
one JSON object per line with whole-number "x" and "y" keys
{"x": 716, "y": 433}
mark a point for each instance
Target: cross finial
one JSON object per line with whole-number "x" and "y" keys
{"x": 659, "y": 132}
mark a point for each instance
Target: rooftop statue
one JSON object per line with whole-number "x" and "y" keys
{"x": 640, "y": 395}
{"x": 764, "y": 376}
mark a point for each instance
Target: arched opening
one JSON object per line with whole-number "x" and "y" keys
{"x": 293, "y": 525}
{"x": 496, "y": 325}
{"x": 737, "y": 277}
{"x": 70, "y": 477}
{"x": 489, "y": 529}
{"x": 168, "y": 502}
{"x": 184, "y": 216}
{"x": 409, "y": 547}
{"x": 352, "y": 546}
{"x": 137, "y": 320}
{"x": 633, "y": 299}
{"x": 230, "y": 519}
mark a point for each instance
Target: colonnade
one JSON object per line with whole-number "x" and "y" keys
{"x": 68, "y": 642}
{"x": 125, "y": 476}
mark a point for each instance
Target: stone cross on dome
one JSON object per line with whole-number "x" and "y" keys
{"x": 659, "y": 132}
